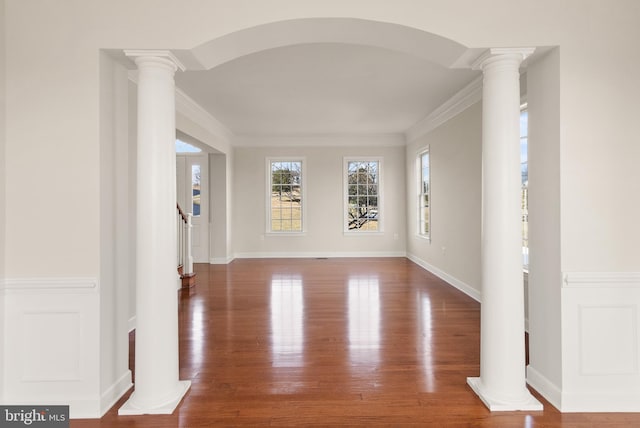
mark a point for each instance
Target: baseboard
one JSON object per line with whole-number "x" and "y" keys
{"x": 115, "y": 392}
{"x": 460, "y": 285}
{"x": 92, "y": 407}
{"x": 595, "y": 401}
{"x": 312, "y": 255}
{"x": 85, "y": 408}
{"x": 544, "y": 386}
{"x": 220, "y": 260}
{"x": 600, "y": 402}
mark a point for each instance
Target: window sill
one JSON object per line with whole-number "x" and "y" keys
{"x": 424, "y": 237}
{"x": 285, "y": 233}
{"x": 362, "y": 232}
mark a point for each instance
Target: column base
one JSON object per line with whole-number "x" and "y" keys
{"x": 166, "y": 408}
{"x": 527, "y": 403}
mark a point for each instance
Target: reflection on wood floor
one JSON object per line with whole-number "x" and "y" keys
{"x": 358, "y": 342}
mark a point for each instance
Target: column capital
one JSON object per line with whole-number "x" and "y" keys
{"x": 164, "y": 55}
{"x": 493, "y": 54}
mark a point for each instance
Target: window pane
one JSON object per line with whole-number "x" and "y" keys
{"x": 286, "y": 196}
{"x": 195, "y": 189}
{"x": 182, "y": 147}
{"x": 424, "y": 190}
{"x": 362, "y": 195}
{"x": 524, "y": 171}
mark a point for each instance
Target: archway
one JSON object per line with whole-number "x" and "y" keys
{"x": 443, "y": 53}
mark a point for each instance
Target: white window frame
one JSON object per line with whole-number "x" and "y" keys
{"x": 345, "y": 194}
{"x": 525, "y": 249}
{"x": 303, "y": 195}
{"x": 420, "y": 193}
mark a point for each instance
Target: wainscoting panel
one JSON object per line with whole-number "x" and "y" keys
{"x": 608, "y": 340}
{"x": 600, "y": 342}
{"x": 52, "y": 343}
{"x": 56, "y": 335}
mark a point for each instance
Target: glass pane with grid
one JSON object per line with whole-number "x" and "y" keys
{"x": 424, "y": 196}
{"x": 524, "y": 189}
{"x": 286, "y": 196}
{"x": 363, "y": 195}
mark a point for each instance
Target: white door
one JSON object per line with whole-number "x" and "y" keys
{"x": 193, "y": 197}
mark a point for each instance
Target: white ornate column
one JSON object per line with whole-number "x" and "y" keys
{"x": 502, "y": 381}
{"x": 158, "y": 389}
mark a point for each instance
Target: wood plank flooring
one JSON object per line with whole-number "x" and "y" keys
{"x": 333, "y": 342}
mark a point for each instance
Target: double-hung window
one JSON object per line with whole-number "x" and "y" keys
{"x": 363, "y": 194}
{"x": 424, "y": 194}
{"x": 524, "y": 174}
{"x": 285, "y": 195}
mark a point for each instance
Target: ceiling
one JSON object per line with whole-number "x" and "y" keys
{"x": 323, "y": 89}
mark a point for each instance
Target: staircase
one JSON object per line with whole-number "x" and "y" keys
{"x": 185, "y": 258}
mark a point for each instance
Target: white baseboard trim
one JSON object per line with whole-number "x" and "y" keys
{"x": 600, "y": 402}
{"x": 220, "y": 260}
{"x": 460, "y": 285}
{"x": 131, "y": 324}
{"x": 115, "y": 392}
{"x": 130, "y": 407}
{"x": 312, "y": 255}
{"x": 80, "y": 408}
{"x": 544, "y": 386}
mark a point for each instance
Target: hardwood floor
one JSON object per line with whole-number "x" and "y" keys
{"x": 337, "y": 342}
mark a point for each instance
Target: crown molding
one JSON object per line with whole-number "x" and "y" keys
{"x": 186, "y": 106}
{"x": 459, "y": 102}
{"x": 194, "y": 111}
{"x": 323, "y": 140}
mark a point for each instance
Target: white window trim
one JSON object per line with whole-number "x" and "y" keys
{"x": 419, "y": 153}
{"x": 303, "y": 185}
{"x": 524, "y": 105}
{"x": 345, "y": 195}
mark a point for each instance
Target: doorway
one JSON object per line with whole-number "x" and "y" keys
{"x": 192, "y": 179}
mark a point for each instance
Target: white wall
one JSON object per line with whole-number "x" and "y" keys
{"x": 2, "y": 191}
{"x": 115, "y": 232}
{"x": 600, "y": 148}
{"x": 62, "y": 99}
{"x": 324, "y": 204}
{"x": 132, "y": 110}
{"x": 220, "y": 214}
{"x": 81, "y": 355}
{"x": 545, "y": 276}
{"x": 455, "y": 150}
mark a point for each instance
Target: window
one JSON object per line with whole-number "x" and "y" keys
{"x": 424, "y": 195}
{"x": 363, "y": 199}
{"x": 285, "y": 196}
{"x": 182, "y": 147}
{"x": 524, "y": 172}
{"x": 195, "y": 189}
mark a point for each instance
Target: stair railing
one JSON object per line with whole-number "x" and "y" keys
{"x": 185, "y": 257}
